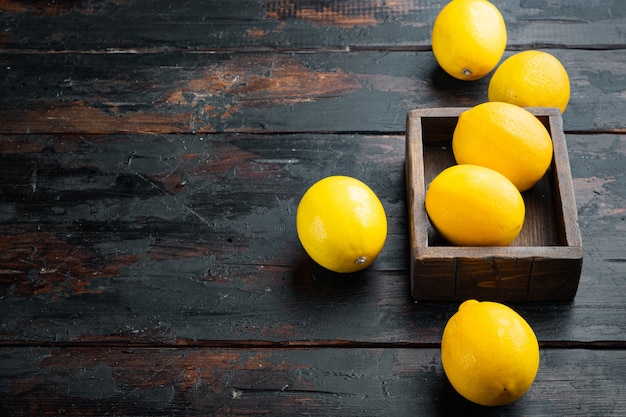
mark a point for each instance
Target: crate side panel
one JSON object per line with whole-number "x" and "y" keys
{"x": 498, "y": 279}
{"x": 555, "y": 279}
{"x": 433, "y": 279}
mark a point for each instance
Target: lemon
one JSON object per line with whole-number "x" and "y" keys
{"x": 341, "y": 224}
{"x": 468, "y": 38}
{"x": 531, "y": 79}
{"x": 470, "y": 205}
{"x": 504, "y": 137}
{"x": 489, "y": 353}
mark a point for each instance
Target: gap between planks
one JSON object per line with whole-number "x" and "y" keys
{"x": 294, "y": 50}
{"x": 292, "y": 344}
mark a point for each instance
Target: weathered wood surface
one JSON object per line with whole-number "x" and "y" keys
{"x": 169, "y": 238}
{"x": 101, "y": 25}
{"x": 267, "y": 92}
{"x": 151, "y": 162}
{"x": 289, "y": 382}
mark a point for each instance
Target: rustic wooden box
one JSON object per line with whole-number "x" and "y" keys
{"x": 542, "y": 264}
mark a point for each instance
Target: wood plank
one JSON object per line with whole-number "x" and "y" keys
{"x": 286, "y": 382}
{"x": 267, "y": 92}
{"x": 171, "y": 239}
{"x": 288, "y": 24}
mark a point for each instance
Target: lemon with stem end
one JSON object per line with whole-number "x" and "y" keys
{"x": 341, "y": 224}
{"x": 469, "y": 38}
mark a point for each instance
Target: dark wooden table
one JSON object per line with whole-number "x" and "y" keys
{"x": 152, "y": 156}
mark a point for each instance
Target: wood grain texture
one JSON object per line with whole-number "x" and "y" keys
{"x": 114, "y": 25}
{"x": 178, "y": 238}
{"x": 266, "y": 92}
{"x": 286, "y": 382}
{"x": 151, "y": 162}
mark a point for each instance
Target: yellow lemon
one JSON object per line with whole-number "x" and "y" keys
{"x": 489, "y": 353}
{"x": 531, "y": 79}
{"x": 470, "y": 205}
{"x": 504, "y": 137}
{"x": 341, "y": 224}
{"x": 468, "y": 38}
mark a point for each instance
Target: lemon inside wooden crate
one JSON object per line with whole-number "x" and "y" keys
{"x": 542, "y": 264}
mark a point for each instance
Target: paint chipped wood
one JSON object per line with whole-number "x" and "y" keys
{"x": 151, "y": 162}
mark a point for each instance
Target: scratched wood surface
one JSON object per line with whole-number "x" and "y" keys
{"x": 176, "y": 92}
{"x": 169, "y": 238}
{"x": 110, "y": 25}
{"x": 151, "y": 163}
{"x": 290, "y": 382}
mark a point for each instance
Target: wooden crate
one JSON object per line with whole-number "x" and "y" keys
{"x": 542, "y": 264}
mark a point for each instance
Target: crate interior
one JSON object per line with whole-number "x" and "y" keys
{"x": 543, "y": 224}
